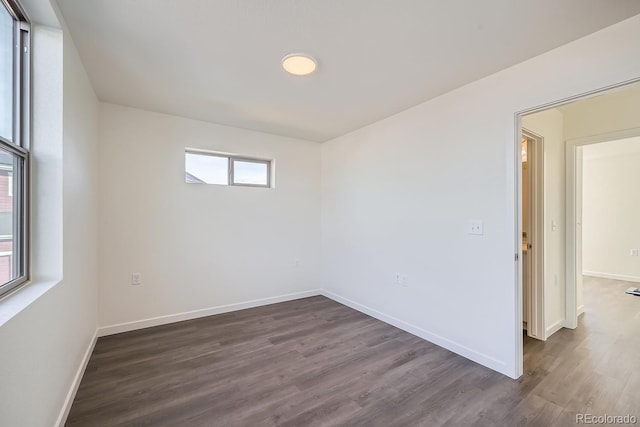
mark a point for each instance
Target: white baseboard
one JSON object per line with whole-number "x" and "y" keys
{"x": 611, "y": 276}
{"x": 163, "y": 320}
{"x": 580, "y": 310}
{"x": 68, "y": 401}
{"x": 483, "y": 359}
{"x": 552, "y": 329}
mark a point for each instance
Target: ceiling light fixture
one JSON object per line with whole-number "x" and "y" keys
{"x": 299, "y": 64}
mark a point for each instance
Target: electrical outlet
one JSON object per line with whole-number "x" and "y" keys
{"x": 404, "y": 280}
{"x": 635, "y": 252}
{"x": 296, "y": 262}
{"x": 476, "y": 227}
{"x": 136, "y": 279}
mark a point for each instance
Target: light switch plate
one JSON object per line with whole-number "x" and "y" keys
{"x": 136, "y": 279}
{"x": 476, "y": 226}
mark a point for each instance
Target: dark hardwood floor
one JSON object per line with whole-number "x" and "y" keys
{"x": 315, "y": 362}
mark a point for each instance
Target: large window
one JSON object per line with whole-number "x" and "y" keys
{"x": 14, "y": 145}
{"x": 203, "y": 167}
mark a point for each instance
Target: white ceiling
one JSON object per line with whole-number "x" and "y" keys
{"x": 219, "y": 60}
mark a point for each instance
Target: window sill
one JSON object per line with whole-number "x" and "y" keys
{"x": 16, "y": 302}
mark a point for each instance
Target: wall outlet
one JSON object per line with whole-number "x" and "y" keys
{"x": 404, "y": 280}
{"x": 476, "y": 227}
{"x": 136, "y": 279}
{"x": 296, "y": 262}
{"x": 635, "y": 252}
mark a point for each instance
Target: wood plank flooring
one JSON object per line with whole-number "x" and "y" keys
{"x": 314, "y": 362}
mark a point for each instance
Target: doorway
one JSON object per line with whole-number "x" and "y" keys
{"x": 575, "y": 224}
{"x": 560, "y": 259}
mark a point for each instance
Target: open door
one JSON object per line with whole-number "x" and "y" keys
{"x": 532, "y": 235}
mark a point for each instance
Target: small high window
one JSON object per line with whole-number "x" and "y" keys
{"x": 204, "y": 167}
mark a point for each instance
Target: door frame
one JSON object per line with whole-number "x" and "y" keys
{"x": 573, "y": 261}
{"x": 517, "y": 241}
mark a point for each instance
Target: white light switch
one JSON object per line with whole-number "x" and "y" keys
{"x": 136, "y": 279}
{"x": 476, "y": 226}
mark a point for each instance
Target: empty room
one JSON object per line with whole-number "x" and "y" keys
{"x": 318, "y": 213}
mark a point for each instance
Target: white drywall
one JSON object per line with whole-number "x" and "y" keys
{"x": 199, "y": 246}
{"x": 600, "y": 115}
{"x": 44, "y": 345}
{"x": 611, "y": 209}
{"x": 549, "y": 125}
{"x": 398, "y": 195}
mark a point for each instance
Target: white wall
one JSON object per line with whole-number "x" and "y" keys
{"x": 199, "y": 246}
{"x": 43, "y": 345}
{"x": 611, "y": 209}
{"x": 549, "y": 125}
{"x": 611, "y": 112}
{"x": 397, "y": 196}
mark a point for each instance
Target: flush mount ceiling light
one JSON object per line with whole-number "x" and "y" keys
{"x": 299, "y": 64}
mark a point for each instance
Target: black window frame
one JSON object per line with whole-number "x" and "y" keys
{"x": 18, "y": 146}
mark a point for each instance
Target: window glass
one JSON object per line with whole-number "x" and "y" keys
{"x": 206, "y": 169}
{"x": 252, "y": 173}
{"x": 9, "y": 269}
{"x": 6, "y": 73}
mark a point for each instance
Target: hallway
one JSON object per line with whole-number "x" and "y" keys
{"x": 592, "y": 369}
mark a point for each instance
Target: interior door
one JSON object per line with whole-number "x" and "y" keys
{"x": 533, "y": 284}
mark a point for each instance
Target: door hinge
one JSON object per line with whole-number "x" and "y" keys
{"x": 517, "y": 257}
